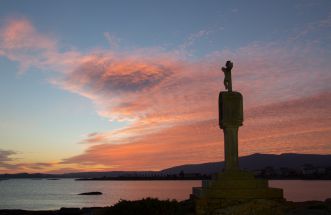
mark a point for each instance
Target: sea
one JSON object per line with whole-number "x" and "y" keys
{"x": 44, "y": 194}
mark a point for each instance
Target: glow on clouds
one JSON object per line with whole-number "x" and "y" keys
{"x": 171, "y": 101}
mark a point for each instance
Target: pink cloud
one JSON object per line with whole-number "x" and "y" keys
{"x": 171, "y": 101}
{"x": 158, "y": 91}
{"x": 300, "y": 126}
{"x": 20, "y": 41}
{"x": 21, "y": 34}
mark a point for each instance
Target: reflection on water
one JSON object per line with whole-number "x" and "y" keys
{"x": 301, "y": 190}
{"x": 54, "y": 194}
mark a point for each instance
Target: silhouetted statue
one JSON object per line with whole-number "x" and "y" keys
{"x": 227, "y": 75}
{"x": 233, "y": 185}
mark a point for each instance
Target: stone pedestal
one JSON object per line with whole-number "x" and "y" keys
{"x": 231, "y": 116}
{"x": 232, "y": 186}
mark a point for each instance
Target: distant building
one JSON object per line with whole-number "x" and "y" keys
{"x": 308, "y": 169}
{"x": 321, "y": 171}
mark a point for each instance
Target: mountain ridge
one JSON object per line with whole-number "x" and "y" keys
{"x": 251, "y": 162}
{"x": 258, "y": 161}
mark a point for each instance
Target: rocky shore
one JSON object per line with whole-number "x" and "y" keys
{"x": 151, "y": 206}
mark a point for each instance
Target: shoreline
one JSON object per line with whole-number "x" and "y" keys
{"x": 155, "y": 206}
{"x": 161, "y": 179}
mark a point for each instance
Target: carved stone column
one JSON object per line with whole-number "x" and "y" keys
{"x": 230, "y": 118}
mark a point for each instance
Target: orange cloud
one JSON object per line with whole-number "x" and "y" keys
{"x": 301, "y": 126}
{"x": 170, "y": 101}
{"x": 10, "y": 164}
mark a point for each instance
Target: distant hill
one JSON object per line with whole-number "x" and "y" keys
{"x": 256, "y": 162}
{"x": 250, "y": 162}
{"x": 76, "y": 174}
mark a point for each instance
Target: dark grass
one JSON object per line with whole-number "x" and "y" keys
{"x": 151, "y": 206}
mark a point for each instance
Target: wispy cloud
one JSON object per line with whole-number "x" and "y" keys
{"x": 10, "y": 163}
{"x": 301, "y": 126}
{"x": 21, "y": 42}
{"x": 192, "y": 38}
{"x": 112, "y": 40}
{"x": 6, "y": 158}
{"x": 171, "y": 101}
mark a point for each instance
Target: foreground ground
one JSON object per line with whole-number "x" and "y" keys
{"x": 165, "y": 207}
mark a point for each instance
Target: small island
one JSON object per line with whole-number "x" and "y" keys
{"x": 95, "y": 193}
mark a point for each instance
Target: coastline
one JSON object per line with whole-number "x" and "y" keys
{"x": 188, "y": 179}
{"x": 166, "y": 178}
{"x": 150, "y": 206}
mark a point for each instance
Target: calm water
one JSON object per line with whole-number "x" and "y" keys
{"x": 49, "y": 194}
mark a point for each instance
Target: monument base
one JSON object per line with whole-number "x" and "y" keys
{"x": 232, "y": 188}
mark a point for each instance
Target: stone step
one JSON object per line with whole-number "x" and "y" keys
{"x": 234, "y": 174}
{"x": 235, "y": 183}
{"x": 257, "y": 193}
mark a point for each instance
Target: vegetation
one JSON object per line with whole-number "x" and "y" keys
{"x": 151, "y": 206}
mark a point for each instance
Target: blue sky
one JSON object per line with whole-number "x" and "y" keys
{"x": 51, "y": 106}
{"x": 167, "y": 23}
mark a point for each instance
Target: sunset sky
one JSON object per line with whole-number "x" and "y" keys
{"x": 133, "y": 85}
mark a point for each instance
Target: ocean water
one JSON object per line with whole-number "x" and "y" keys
{"x": 53, "y": 194}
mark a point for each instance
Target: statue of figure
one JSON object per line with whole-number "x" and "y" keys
{"x": 227, "y": 75}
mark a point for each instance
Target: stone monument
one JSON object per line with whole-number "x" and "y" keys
{"x": 231, "y": 186}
